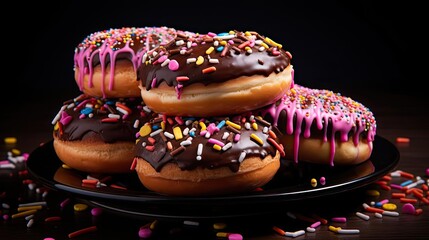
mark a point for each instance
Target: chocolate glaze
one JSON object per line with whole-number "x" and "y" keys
{"x": 154, "y": 149}
{"x": 233, "y": 54}
{"x": 88, "y": 117}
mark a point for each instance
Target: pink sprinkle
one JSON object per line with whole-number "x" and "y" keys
{"x": 427, "y": 172}
{"x": 4, "y": 162}
{"x": 153, "y": 85}
{"x": 5, "y": 217}
{"x": 179, "y": 120}
{"x": 211, "y": 34}
{"x": 215, "y": 141}
{"x": 65, "y": 118}
{"x": 82, "y": 116}
{"x": 339, "y": 219}
{"x": 235, "y": 236}
{"x": 96, "y": 211}
{"x": 315, "y": 225}
{"x": 322, "y": 181}
{"x": 49, "y": 238}
{"x": 173, "y": 65}
{"x": 25, "y": 155}
{"x": 145, "y": 232}
{"x": 396, "y": 186}
{"x": 162, "y": 58}
{"x": 65, "y": 202}
{"x": 408, "y": 208}
{"x": 237, "y": 137}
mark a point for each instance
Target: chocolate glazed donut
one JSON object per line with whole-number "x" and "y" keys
{"x": 215, "y": 74}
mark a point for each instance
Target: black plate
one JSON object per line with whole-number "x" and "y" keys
{"x": 290, "y": 184}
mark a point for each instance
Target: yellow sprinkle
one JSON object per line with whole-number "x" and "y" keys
{"x": 255, "y": 126}
{"x": 334, "y": 229}
{"x": 271, "y": 42}
{"x": 217, "y": 147}
{"x": 247, "y": 33}
{"x": 10, "y": 140}
{"x": 65, "y": 166}
{"x": 256, "y": 138}
{"x": 218, "y": 226}
{"x": 200, "y": 60}
{"x": 231, "y": 32}
{"x": 209, "y": 50}
{"x": 145, "y": 130}
{"x": 57, "y": 126}
{"x": 234, "y": 125}
{"x": 265, "y": 45}
{"x": 313, "y": 182}
{"x": 163, "y": 125}
{"x": 223, "y": 43}
{"x": 293, "y": 91}
{"x": 16, "y": 151}
{"x": 153, "y": 224}
{"x": 203, "y": 126}
{"x": 373, "y": 193}
{"x": 389, "y": 206}
{"x": 222, "y": 234}
{"x": 26, "y": 208}
{"x": 80, "y": 207}
{"x": 177, "y": 133}
{"x": 24, "y": 214}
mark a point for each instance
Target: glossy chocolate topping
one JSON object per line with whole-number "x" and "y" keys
{"x": 209, "y": 143}
{"x": 321, "y": 113}
{"x": 111, "y": 120}
{"x": 211, "y": 58}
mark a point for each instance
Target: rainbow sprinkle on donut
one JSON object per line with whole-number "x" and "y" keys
{"x": 302, "y": 109}
{"x": 103, "y": 47}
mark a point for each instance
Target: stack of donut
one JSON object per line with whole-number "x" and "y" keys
{"x": 204, "y": 139}
{"x": 95, "y": 132}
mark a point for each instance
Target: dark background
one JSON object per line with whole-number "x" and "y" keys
{"x": 351, "y": 47}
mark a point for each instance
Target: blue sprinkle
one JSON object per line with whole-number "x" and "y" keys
{"x": 86, "y": 111}
{"x": 223, "y": 34}
{"x": 155, "y": 127}
{"x": 192, "y": 134}
{"x": 221, "y": 124}
{"x": 220, "y": 48}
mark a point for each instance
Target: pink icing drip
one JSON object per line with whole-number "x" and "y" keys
{"x": 343, "y": 121}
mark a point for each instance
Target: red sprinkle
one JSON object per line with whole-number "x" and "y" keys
{"x": 82, "y": 231}
{"x": 402, "y": 140}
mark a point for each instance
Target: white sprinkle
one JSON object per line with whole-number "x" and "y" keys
{"x": 5, "y": 205}
{"x": 123, "y": 111}
{"x": 216, "y": 43}
{"x": 189, "y": 44}
{"x": 207, "y": 135}
{"x": 310, "y": 229}
{"x": 180, "y": 43}
{"x": 378, "y": 215}
{"x": 192, "y": 223}
{"x": 261, "y": 48}
{"x": 58, "y": 116}
{"x": 144, "y": 57}
{"x": 396, "y": 173}
{"x": 188, "y": 122}
{"x": 265, "y": 129}
{"x": 147, "y": 109}
{"x": 71, "y": 105}
{"x": 183, "y": 52}
{"x": 29, "y": 217}
{"x": 191, "y": 60}
{"x": 363, "y": 216}
{"x": 169, "y": 135}
{"x": 154, "y": 133}
{"x": 199, "y": 158}
{"x": 247, "y": 125}
{"x": 143, "y": 144}
{"x": 348, "y": 231}
{"x": 200, "y": 149}
{"x": 227, "y": 146}
{"x": 165, "y": 63}
{"x": 414, "y": 184}
{"x": 372, "y": 203}
{"x": 229, "y": 36}
{"x": 30, "y": 223}
{"x": 185, "y": 143}
{"x": 295, "y": 234}
{"x": 225, "y": 135}
{"x": 214, "y": 60}
{"x": 31, "y": 186}
{"x": 242, "y": 156}
{"x": 111, "y": 115}
{"x": 91, "y": 115}
{"x": 258, "y": 42}
{"x": 45, "y": 194}
{"x": 185, "y": 131}
{"x": 89, "y": 105}
{"x": 136, "y": 123}
{"x": 43, "y": 203}
{"x": 154, "y": 53}
{"x": 390, "y": 213}
{"x": 7, "y": 166}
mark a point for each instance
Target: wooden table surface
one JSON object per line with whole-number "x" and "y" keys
{"x": 397, "y": 115}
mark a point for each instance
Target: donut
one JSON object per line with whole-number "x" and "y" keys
{"x": 97, "y": 135}
{"x": 124, "y": 47}
{"x": 211, "y": 74}
{"x": 188, "y": 156}
{"x": 322, "y": 127}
